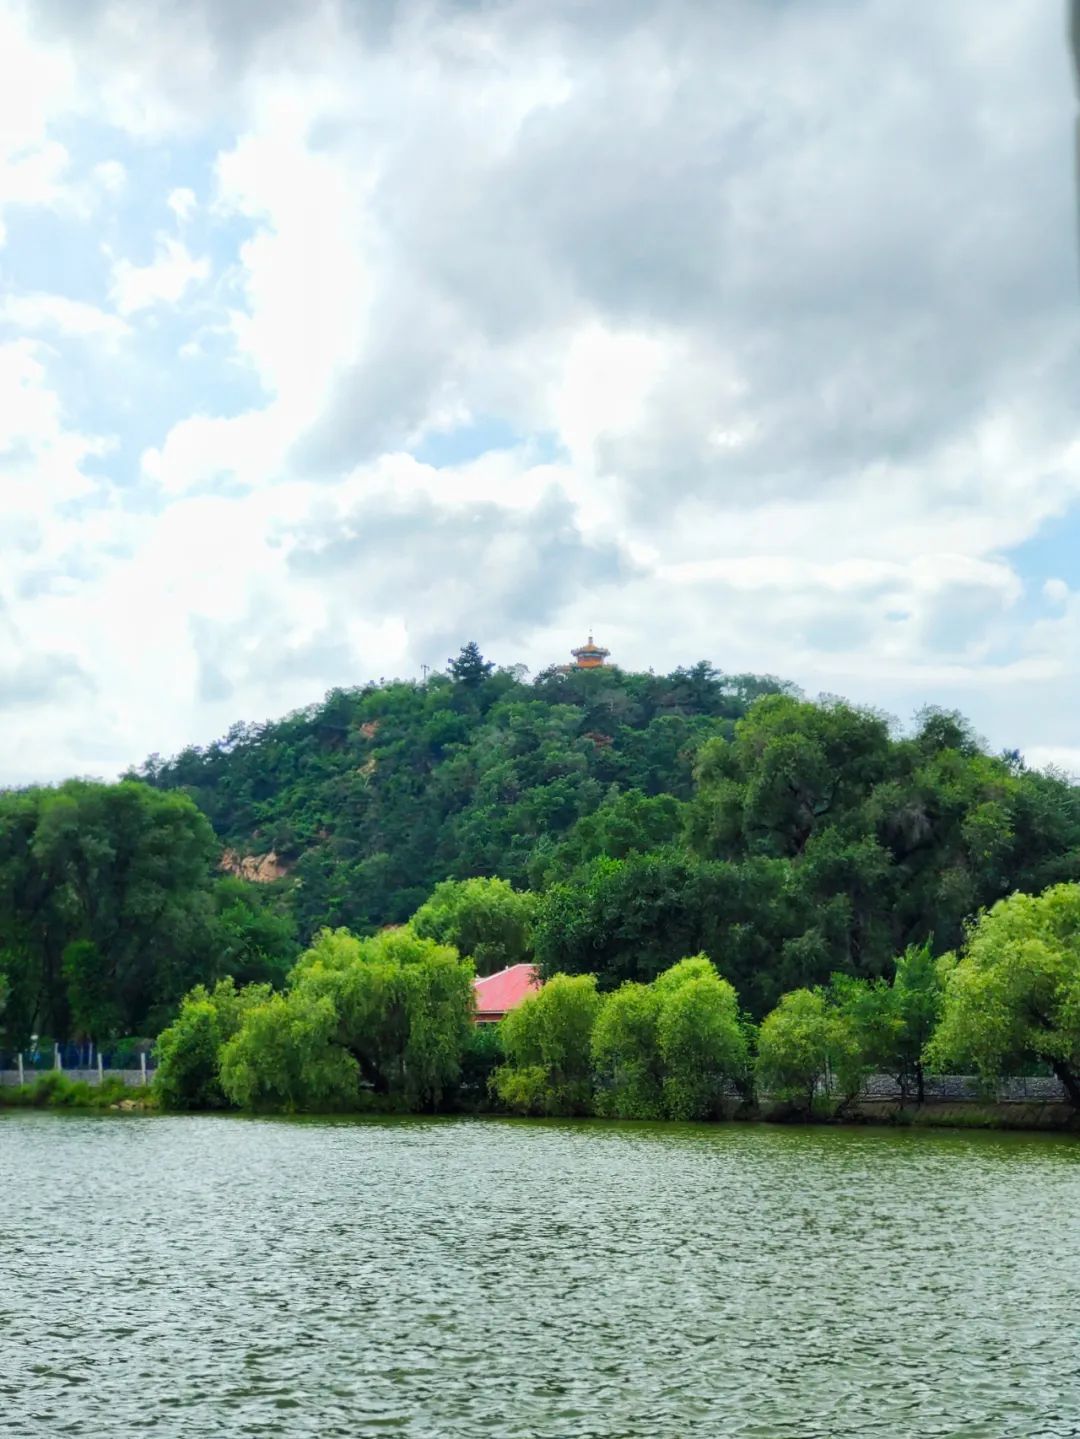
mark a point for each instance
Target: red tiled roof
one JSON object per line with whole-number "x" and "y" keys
{"x": 498, "y": 993}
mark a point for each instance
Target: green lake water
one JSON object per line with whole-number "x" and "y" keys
{"x": 221, "y": 1276}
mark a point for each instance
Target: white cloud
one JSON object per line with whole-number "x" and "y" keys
{"x": 36, "y": 82}
{"x": 303, "y": 273}
{"x": 1056, "y": 591}
{"x": 164, "y": 281}
{"x": 182, "y": 203}
{"x": 37, "y": 311}
{"x": 41, "y": 457}
{"x": 245, "y": 449}
{"x": 110, "y": 175}
{"x": 799, "y": 376}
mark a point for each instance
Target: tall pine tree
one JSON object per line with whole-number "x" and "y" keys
{"x": 470, "y": 668}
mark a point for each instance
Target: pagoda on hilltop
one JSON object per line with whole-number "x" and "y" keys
{"x": 589, "y": 656}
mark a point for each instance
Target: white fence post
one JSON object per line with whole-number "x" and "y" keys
{"x": 56, "y": 1056}
{"x": 142, "y": 1063}
{"x": 22, "y": 1076}
{"x": 100, "y": 1068}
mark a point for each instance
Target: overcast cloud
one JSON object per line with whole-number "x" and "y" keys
{"x": 334, "y": 333}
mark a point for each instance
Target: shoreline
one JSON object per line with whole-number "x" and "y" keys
{"x": 1033, "y": 1116}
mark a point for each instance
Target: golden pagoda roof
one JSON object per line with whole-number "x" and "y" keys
{"x": 590, "y": 653}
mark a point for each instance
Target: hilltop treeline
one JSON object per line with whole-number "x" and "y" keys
{"x": 652, "y": 816}
{"x": 373, "y": 796}
{"x": 639, "y": 819}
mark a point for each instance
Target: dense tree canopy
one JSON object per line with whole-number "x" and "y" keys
{"x": 189, "y": 1050}
{"x": 372, "y": 797}
{"x": 403, "y": 1005}
{"x": 283, "y": 1056}
{"x": 700, "y": 1038}
{"x": 486, "y": 920}
{"x": 105, "y": 907}
{"x": 652, "y": 817}
{"x": 607, "y": 823}
{"x": 110, "y": 911}
{"x": 389, "y": 1017}
{"x": 626, "y": 1054}
{"x": 548, "y": 1041}
{"x": 806, "y": 1045}
{"x": 387, "y": 1022}
{"x": 1014, "y": 993}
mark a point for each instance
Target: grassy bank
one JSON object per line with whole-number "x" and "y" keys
{"x": 968, "y": 1114}
{"x": 55, "y": 1091}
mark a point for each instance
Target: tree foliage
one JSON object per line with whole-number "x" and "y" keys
{"x": 388, "y": 1015}
{"x": 105, "y": 907}
{"x": 626, "y": 1054}
{"x": 255, "y": 941}
{"x": 548, "y": 1045}
{"x": 111, "y": 909}
{"x": 486, "y": 920}
{"x": 188, "y": 1074}
{"x": 631, "y": 918}
{"x": 470, "y": 668}
{"x": 653, "y": 816}
{"x": 807, "y": 1046}
{"x": 284, "y": 1056}
{"x": 1013, "y": 995}
{"x": 917, "y": 996}
{"x": 372, "y": 797}
{"x": 700, "y": 1038}
{"x": 666, "y": 1049}
{"x": 403, "y": 1004}
{"x": 391, "y": 1015}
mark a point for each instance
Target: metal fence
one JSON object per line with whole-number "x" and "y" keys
{"x": 132, "y": 1062}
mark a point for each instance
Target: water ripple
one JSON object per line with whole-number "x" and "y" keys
{"x": 219, "y": 1276}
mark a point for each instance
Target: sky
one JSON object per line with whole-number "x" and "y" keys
{"x": 336, "y": 333}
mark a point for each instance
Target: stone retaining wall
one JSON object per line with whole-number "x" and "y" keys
{"x": 958, "y": 1088}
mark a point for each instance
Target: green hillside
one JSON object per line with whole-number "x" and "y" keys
{"x": 370, "y": 797}
{"x": 656, "y": 816}
{"x": 631, "y": 819}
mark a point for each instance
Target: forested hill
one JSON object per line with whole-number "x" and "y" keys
{"x": 657, "y": 816}
{"x": 369, "y": 798}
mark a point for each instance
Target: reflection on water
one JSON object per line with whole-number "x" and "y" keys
{"x": 215, "y": 1276}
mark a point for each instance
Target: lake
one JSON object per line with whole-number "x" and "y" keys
{"x": 225, "y": 1276}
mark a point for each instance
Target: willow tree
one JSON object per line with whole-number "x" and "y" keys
{"x": 188, "y": 1074}
{"x": 486, "y": 920}
{"x": 806, "y": 1045}
{"x": 284, "y": 1056}
{"x": 700, "y": 1037}
{"x": 626, "y": 1054}
{"x": 1013, "y": 995}
{"x": 404, "y": 1007}
{"x": 548, "y": 1046}
{"x": 672, "y": 1048}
